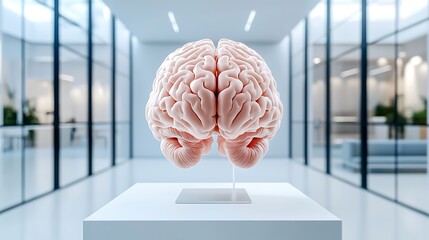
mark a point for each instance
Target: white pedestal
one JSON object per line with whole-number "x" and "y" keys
{"x": 148, "y": 211}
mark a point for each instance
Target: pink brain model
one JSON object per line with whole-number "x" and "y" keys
{"x": 200, "y": 91}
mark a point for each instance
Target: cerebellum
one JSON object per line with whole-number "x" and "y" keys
{"x": 200, "y": 91}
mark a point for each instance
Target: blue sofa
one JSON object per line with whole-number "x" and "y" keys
{"x": 412, "y": 155}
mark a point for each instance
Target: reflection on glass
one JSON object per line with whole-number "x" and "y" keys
{"x": 345, "y": 85}
{"x": 101, "y": 91}
{"x": 74, "y": 153}
{"x": 381, "y": 18}
{"x": 122, "y": 142}
{"x": 10, "y": 85}
{"x": 413, "y": 178}
{"x": 102, "y": 36}
{"x": 317, "y": 86}
{"x": 298, "y": 37}
{"x": 122, "y": 63}
{"x": 39, "y": 101}
{"x": 73, "y": 88}
{"x": 38, "y": 160}
{"x": 412, "y": 11}
{"x": 381, "y": 159}
{"x": 345, "y": 26}
{"x": 76, "y": 11}
{"x": 122, "y": 38}
{"x": 345, "y": 151}
{"x": 102, "y": 145}
{"x": 122, "y": 98}
{"x": 73, "y": 37}
{"x": 10, "y": 166}
{"x": 298, "y": 142}
{"x": 381, "y": 82}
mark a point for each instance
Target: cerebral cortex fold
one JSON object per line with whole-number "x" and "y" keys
{"x": 201, "y": 90}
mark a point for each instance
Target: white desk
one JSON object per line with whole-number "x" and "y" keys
{"x": 148, "y": 211}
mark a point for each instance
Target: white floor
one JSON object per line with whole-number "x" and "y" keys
{"x": 59, "y": 215}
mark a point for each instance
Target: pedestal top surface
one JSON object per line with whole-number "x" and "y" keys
{"x": 156, "y": 202}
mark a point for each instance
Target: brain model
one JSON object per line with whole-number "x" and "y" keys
{"x": 200, "y": 91}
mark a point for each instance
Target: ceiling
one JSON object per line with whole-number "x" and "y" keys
{"x": 149, "y": 21}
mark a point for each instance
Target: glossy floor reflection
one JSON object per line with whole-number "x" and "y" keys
{"x": 59, "y": 216}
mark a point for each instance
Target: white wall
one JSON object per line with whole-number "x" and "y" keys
{"x": 148, "y": 57}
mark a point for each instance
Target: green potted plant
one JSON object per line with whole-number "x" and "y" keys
{"x": 388, "y": 112}
{"x": 420, "y": 118}
{"x": 30, "y": 118}
{"x": 9, "y": 116}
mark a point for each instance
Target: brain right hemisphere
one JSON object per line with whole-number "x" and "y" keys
{"x": 200, "y": 91}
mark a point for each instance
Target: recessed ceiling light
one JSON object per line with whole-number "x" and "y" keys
{"x": 250, "y": 20}
{"x": 317, "y": 60}
{"x": 173, "y": 21}
{"x": 349, "y": 73}
{"x": 382, "y": 61}
{"x": 66, "y": 77}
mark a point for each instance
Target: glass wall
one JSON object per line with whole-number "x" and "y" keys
{"x": 297, "y": 92}
{"x": 102, "y": 86}
{"x": 317, "y": 85}
{"x": 122, "y": 112}
{"x": 395, "y": 55}
{"x": 28, "y": 163}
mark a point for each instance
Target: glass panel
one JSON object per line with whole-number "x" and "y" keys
{"x": 345, "y": 109}
{"x": 317, "y": 86}
{"x": 102, "y": 36}
{"x": 39, "y": 106}
{"x": 10, "y": 166}
{"x": 412, "y": 72}
{"x": 298, "y": 98}
{"x": 101, "y": 94}
{"x": 122, "y": 38}
{"x": 74, "y": 153}
{"x": 12, "y": 18}
{"x": 412, "y": 11}
{"x": 39, "y": 162}
{"x": 381, "y": 159}
{"x": 317, "y": 115}
{"x": 102, "y": 145}
{"x": 73, "y": 88}
{"x": 73, "y": 37}
{"x": 122, "y": 98}
{"x": 39, "y": 23}
{"x": 345, "y": 88}
{"x": 122, "y": 142}
{"x": 298, "y": 37}
{"x": 317, "y": 23}
{"x": 345, "y": 26}
{"x": 381, "y": 19}
{"x": 413, "y": 178}
{"x": 11, "y": 75}
{"x": 381, "y": 82}
{"x": 122, "y": 64}
{"x": 298, "y": 62}
{"x": 76, "y": 11}
{"x": 298, "y": 142}
{"x": 11, "y": 81}
{"x": 345, "y": 151}
{"x": 317, "y": 133}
